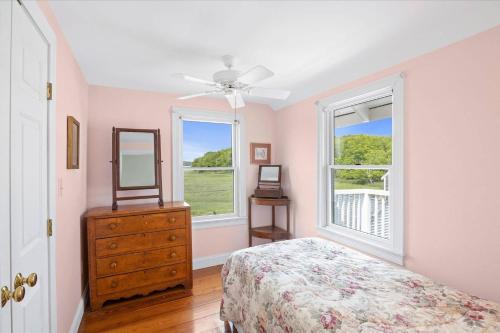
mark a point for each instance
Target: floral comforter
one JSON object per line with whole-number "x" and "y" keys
{"x": 313, "y": 285}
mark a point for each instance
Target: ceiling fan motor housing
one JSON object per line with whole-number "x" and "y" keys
{"x": 226, "y": 76}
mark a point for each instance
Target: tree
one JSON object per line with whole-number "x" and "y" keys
{"x": 362, "y": 149}
{"x": 220, "y": 158}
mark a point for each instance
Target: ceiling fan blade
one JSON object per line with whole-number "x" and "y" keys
{"x": 206, "y": 93}
{"x": 256, "y": 74}
{"x": 235, "y": 100}
{"x": 269, "y": 93}
{"x": 194, "y": 79}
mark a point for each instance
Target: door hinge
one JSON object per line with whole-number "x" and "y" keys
{"x": 49, "y": 227}
{"x": 49, "y": 91}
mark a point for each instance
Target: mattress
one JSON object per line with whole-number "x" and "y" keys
{"x": 313, "y": 285}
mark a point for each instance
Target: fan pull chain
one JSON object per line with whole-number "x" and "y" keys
{"x": 235, "y": 120}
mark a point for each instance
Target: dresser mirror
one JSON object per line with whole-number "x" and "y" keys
{"x": 136, "y": 163}
{"x": 136, "y": 156}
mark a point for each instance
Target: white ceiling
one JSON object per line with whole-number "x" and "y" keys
{"x": 310, "y": 45}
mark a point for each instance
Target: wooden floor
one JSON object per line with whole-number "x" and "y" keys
{"x": 197, "y": 313}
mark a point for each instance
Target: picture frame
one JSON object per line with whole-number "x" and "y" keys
{"x": 260, "y": 153}
{"x": 73, "y": 144}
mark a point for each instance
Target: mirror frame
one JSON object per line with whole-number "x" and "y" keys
{"x": 116, "y": 168}
{"x": 278, "y": 182}
{"x": 155, "y": 139}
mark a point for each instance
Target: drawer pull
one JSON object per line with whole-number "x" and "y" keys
{"x": 113, "y": 226}
{"x": 113, "y": 265}
{"x": 114, "y": 284}
{"x": 173, "y": 238}
{"x": 173, "y": 255}
{"x": 113, "y": 246}
{"x": 173, "y": 272}
{"x": 171, "y": 220}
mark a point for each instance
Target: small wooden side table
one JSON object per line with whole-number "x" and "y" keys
{"x": 271, "y": 232}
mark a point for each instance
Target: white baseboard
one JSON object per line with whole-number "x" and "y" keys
{"x": 77, "y": 319}
{"x": 209, "y": 261}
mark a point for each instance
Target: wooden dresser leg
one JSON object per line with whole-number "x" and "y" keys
{"x": 96, "y": 305}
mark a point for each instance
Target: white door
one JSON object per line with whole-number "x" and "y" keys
{"x": 28, "y": 173}
{"x": 5, "y": 275}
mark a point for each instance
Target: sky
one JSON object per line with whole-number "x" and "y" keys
{"x": 201, "y": 137}
{"x": 376, "y": 127}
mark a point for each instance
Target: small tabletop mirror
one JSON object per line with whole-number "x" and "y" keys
{"x": 269, "y": 184}
{"x": 270, "y": 173}
{"x": 136, "y": 162}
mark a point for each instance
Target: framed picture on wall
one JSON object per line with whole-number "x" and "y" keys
{"x": 260, "y": 153}
{"x": 73, "y": 144}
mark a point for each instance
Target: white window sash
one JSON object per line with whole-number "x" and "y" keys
{"x": 209, "y": 168}
{"x": 391, "y": 249}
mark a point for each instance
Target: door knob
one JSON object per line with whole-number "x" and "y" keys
{"x": 17, "y": 295}
{"x": 30, "y": 281}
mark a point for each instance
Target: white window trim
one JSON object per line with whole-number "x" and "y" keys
{"x": 240, "y": 161}
{"x": 391, "y": 249}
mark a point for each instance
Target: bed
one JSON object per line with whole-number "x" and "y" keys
{"x": 313, "y": 285}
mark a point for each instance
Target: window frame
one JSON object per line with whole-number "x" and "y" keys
{"x": 391, "y": 249}
{"x": 238, "y": 163}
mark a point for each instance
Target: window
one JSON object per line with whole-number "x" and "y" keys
{"x": 208, "y": 167}
{"x": 360, "y": 189}
{"x": 206, "y": 159}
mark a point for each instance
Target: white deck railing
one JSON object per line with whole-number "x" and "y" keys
{"x": 363, "y": 210}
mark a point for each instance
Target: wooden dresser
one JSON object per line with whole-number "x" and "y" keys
{"x": 138, "y": 249}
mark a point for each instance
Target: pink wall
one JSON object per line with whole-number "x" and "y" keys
{"x": 451, "y": 131}
{"x": 452, "y": 121}
{"x": 71, "y": 93}
{"x": 110, "y": 107}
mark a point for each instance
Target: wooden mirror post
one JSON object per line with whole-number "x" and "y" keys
{"x": 116, "y": 168}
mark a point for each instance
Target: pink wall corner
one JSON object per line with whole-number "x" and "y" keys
{"x": 117, "y": 107}
{"x": 71, "y": 92}
{"x": 452, "y": 121}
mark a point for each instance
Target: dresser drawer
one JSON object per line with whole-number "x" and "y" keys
{"x": 139, "y": 242}
{"x": 137, "y": 261}
{"x": 147, "y": 277}
{"x": 139, "y": 223}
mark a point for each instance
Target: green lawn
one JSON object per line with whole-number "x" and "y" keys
{"x": 209, "y": 192}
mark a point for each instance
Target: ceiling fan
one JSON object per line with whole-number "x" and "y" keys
{"x": 232, "y": 84}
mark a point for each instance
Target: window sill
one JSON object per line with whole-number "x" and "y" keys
{"x": 363, "y": 244}
{"x": 207, "y": 223}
